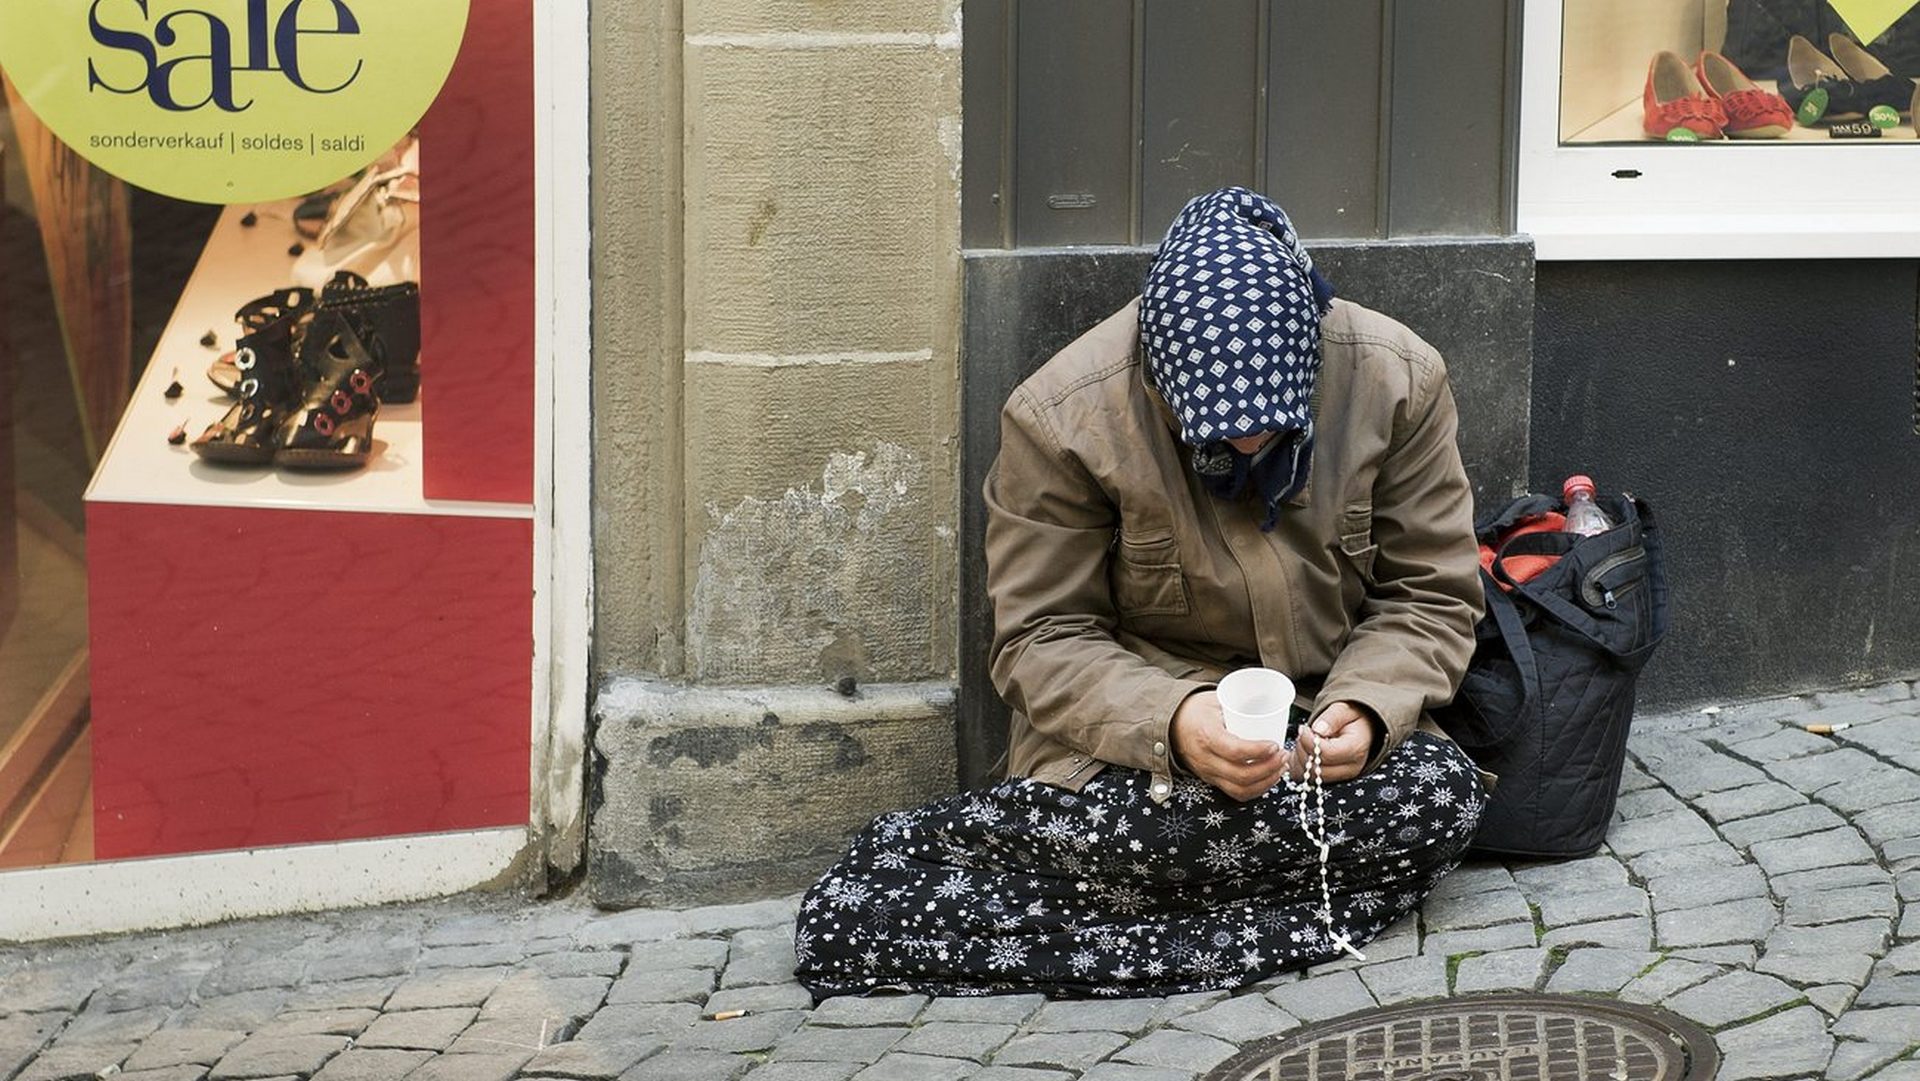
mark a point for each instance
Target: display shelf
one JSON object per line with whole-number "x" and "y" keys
{"x": 238, "y": 264}
{"x": 1623, "y": 126}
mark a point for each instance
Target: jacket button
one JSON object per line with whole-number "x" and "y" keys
{"x": 1160, "y": 749}
{"x": 1159, "y": 790}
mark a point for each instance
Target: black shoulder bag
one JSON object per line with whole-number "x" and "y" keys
{"x": 1548, "y": 697}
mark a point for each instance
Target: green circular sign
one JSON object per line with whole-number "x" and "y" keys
{"x": 230, "y": 101}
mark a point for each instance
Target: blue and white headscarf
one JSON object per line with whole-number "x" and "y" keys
{"x": 1230, "y": 322}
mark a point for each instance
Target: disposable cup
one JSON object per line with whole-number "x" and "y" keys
{"x": 1256, "y": 703}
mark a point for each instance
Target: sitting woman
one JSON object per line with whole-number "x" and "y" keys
{"x": 1233, "y": 470}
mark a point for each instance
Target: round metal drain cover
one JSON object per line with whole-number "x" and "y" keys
{"x": 1486, "y": 1037}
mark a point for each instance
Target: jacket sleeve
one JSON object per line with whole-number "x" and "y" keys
{"x": 1410, "y": 647}
{"x": 1050, "y": 531}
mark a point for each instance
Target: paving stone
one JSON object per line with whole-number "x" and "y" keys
{"x": 770, "y": 996}
{"x": 1321, "y": 998}
{"x": 1173, "y": 1049}
{"x": 485, "y": 955}
{"x": 688, "y": 1066}
{"x": 1598, "y": 872}
{"x": 1470, "y": 878}
{"x": 1019, "y": 1073}
{"x": 418, "y": 1030}
{"x": 1734, "y": 996}
{"x": 1003, "y": 1009}
{"x": 1131, "y": 1071}
{"x": 664, "y": 1018}
{"x": 1847, "y": 707}
{"x": 1827, "y": 849}
{"x": 1882, "y": 825}
{"x": 271, "y": 1056}
{"x": 1899, "y": 1024}
{"x": 1598, "y": 968}
{"x": 1810, "y": 775}
{"x": 1909, "y": 927}
{"x": 595, "y": 1060}
{"x": 754, "y": 1032}
{"x": 727, "y": 919}
{"x": 1754, "y": 799}
{"x": 957, "y": 1039}
{"x": 1732, "y": 955}
{"x": 1241, "y": 1018}
{"x": 446, "y": 987}
{"x": 1685, "y": 859}
{"x": 86, "y": 1061}
{"x": 1833, "y": 906}
{"x": 21, "y": 1037}
{"x": 894, "y": 1066}
{"x": 355, "y": 1064}
{"x": 247, "y": 1011}
{"x": 760, "y": 956}
{"x": 637, "y": 925}
{"x": 856, "y": 1010}
{"x": 1633, "y": 778}
{"x": 487, "y": 1067}
{"x": 1835, "y": 953}
{"x": 182, "y": 1047}
{"x": 470, "y": 929}
{"x": 1881, "y": 788}
{"x": 1407, "y": 980}
{"x": 1789, "y": 1044}
{"x": 521, "y": 1035}
{"x": 319, "y": 1023}
{"x": 171, "y": 1073}
{"x": 1094, "y": 1015}
{"x": 679, "y": 953}
{"x": 1681, "y": 827}
{"x": 271, "y": 972}
{"x": 1508, "y": 970}
{"x": 1728, "y": 921}
{"x": 1792, "y": 822}
{"x": 1174, "y": 1006}
{"x": 805, "y": 1071}
{"x": 1562, "y": 910}
{"x": 1890, "y": 991}
{"x": 1822, "y": 879}
{"x": 1784, "y": 744}
{"x": 384, "y": 960}
{"x": 1506, "y": 936}
{"x": 1646, "y": 803}
{"x": 1668, "y": 978}
{"x": 528, "y": 994}
{"x": 565, "y": 961}
{"x": 1633, "y": 933}
{"x": 351, "y": 995}
{"x": 131, "y": 1026}
{"x": 1899, "y": 961}
{"x": 1072, "y": 1051}
{"x": 1853, "y": 1060}
{"x": 1484, "y": 909}
{"x": 673, "y": 985}
{"x": 1832, "y": 999}
{"x": 812, "y": 1044}
{"x": 1698, "y": 889}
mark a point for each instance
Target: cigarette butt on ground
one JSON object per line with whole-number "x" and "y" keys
{"x": 1826, "y": 729}
{"x": 726, "y": 1015}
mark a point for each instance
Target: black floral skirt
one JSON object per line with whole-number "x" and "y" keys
{"x": 1026, "y": 886}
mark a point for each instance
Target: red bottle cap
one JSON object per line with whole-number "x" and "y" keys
{"x": 1576, "y": 483}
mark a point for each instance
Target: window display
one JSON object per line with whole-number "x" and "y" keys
{"x": 266, "y": 406}
{"x": 1692, "y": 71}
{"x": 1718, "y": 128}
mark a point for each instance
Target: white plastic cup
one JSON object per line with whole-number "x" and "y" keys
{"x": 1256, "y": 703}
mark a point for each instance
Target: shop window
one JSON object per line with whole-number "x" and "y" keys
{"x": 1719, "y": 128}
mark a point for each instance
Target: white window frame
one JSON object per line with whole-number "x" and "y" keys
{"x": 171, "y": 891}
{"x": 1717, "y": 200}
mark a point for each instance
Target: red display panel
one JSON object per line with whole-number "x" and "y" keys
{"x": 271, "y": 677}
{"x": 477, "y": 264}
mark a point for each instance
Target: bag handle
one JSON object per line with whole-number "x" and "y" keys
{"x": 1513, "y": 635}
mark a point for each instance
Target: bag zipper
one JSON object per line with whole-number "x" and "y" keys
{"x": 1594, "y": 593}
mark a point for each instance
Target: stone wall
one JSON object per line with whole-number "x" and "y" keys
{"x": 777, "y": 278}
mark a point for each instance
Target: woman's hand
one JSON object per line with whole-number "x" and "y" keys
{"x": 1345, "y": 734}
{"x": 1243, "y": 769}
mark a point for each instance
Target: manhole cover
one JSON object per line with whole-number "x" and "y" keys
{"x": 1483, "y": 1038}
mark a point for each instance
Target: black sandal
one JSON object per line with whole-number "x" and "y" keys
{"x": 333, "y": 428}
{"x": 389, "y": 314}
{"x": 270, "y": 389}
{"x": 281, "y": 313}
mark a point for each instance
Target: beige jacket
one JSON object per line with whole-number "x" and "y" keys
{"x": 1120, "y": 586}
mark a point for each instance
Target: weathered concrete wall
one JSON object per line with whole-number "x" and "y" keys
{"x": 776, "y": 436}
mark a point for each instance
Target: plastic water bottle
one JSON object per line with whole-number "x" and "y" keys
{"x": 1584, "y": 516}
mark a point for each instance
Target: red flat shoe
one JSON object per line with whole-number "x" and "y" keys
{"x": 1752, "y": 113}
{"x": 1674, "y": 106}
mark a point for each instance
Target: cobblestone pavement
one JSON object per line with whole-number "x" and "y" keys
{"x": 1759, "y": 879}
